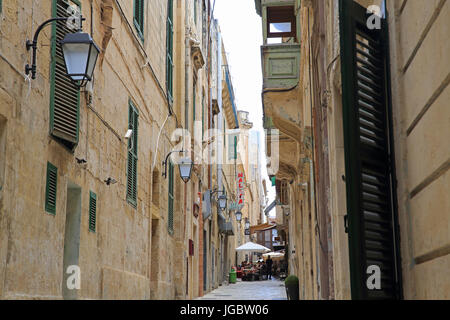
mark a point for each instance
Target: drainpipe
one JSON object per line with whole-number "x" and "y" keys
{"x": 187, "y": 58}
{"x": 220, "y": 116}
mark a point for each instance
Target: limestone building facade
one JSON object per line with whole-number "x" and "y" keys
{"x": 364, "y": 82}
{"x": 74, "y": 191}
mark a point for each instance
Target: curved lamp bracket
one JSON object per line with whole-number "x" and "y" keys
{"x": 33, "y": 44}
{"x": 167, "y": 158}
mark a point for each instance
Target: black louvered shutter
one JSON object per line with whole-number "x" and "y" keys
{"x": 92, "y": 211}
{"x": 65, "y": 96}
{"x": 51, "y": 188}
{"x": 370, "y": 173}
{"x": 132, "y": 155}
{"x": 139, "y": 17}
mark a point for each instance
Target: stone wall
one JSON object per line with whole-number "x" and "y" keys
{"x": 116, "y": 260}
{"x": 420, "y": 72}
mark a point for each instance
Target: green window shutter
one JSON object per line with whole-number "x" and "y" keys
{"x": 195, "y": 11}
{"x": 51, "y": 188}
{"x": 132, "y": 155}
{"x": 203, "y": 117}
{"x": 369, "y": 154}
{"x": 0, "y": 6}
{"x": 232, "y": 147}
{"x": 139, "y": 17}
{"x": 64, "y": 96}
{"x": 169, "y": 51}
{"x": 92, "y": 211}
{"x": 171, "y": 198}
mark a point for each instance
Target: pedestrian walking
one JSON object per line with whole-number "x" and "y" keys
{"x": 269, "y": 263}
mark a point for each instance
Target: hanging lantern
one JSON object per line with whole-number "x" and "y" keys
{"x": 80, "y": 56}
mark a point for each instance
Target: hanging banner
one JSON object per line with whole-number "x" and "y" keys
{"x": 234, "y": 206}
{"x": 240, "y": 189}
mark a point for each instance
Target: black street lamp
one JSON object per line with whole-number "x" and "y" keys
{"x": 80, "y": 56}
{"x": 185, "y": 167}
{"x": 79, "y": 50}
{"x": 247, "y": 224}
{"x": 238, "y": 216}
{"x": 222, "y": 202}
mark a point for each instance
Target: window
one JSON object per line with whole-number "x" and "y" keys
{"x": 139, "y": 17}
{"x": 195, "y": 11}
{"x": 232, "y": 146}
{"x": 51, "y": 188}
{"x": 64, "y": 95}
{"x": 92, "y": 211}
{"x": 281, "y": 22}
{"x": 171, "y": 197}
{"x": 282, "y": 190}
{"x": 169, "y": 49}
{"x": 132, "y": 155}
{"x": 203, "y": 116}
{"x": 204, "y": 26}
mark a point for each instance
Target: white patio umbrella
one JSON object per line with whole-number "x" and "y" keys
{"x": 274, "y": 255}
{"x": 252, "y": 247}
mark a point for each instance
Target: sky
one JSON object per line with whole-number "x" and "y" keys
{"x": 242, "y": 36}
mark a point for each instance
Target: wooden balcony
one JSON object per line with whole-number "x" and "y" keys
{"x": 281, "y": 65}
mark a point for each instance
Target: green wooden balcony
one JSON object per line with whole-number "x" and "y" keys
{"x": 280, "y": 51}
{"x": 281, "y": 65}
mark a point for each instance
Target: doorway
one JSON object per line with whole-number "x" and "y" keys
{"x": 71, "y": 239}
{"x": 205, "y": 261}
{"x": 155, "y": 257}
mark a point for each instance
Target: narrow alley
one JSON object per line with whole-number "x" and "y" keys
{"x": 249, "y": 290}
{"x": 188, "y": 150}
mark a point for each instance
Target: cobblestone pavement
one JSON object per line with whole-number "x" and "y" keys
{"x": 249, "y": 290}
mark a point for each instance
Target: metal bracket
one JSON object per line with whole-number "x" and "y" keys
{"x": 33, "y": 44}
{"x": 167, "y": 158}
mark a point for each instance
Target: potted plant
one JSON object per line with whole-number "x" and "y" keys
{"x": 292, "y": 289}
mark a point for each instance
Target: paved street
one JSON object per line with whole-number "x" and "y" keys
{"x": 249, "y": 290}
